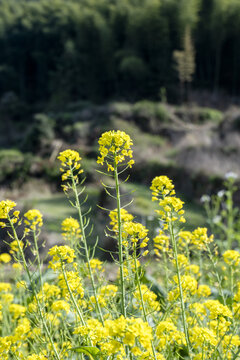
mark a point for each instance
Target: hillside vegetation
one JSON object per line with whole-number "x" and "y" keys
{"x": 179, "y": 140}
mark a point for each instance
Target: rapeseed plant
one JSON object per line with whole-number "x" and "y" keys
{"x": 190, "y": 311}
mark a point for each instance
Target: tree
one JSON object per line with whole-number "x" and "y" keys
{"x": 185, "y": 61}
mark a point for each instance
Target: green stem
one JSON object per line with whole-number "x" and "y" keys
{"x": 166, "y": 270}
{"x": 229, "y": 204}
{"x": 200, "y": 265}
{"x": 216, "y": 273}
{"x": 185, "y": 327}
{"x": 120, "y": 246}
{"x": 141, "y": 298}
{"x": 231, "y": 286}
{"x": 74, "y": 187}
{"x": 33, "y": 288}
{"x": 39, "y": 262}
{"x": 72, "y": 297}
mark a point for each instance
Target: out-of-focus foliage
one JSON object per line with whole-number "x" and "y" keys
{"x": 99, "y": 49}
{"x": 185, "y": 59}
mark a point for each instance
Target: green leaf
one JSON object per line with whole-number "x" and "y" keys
{"x": 91, "y": 351}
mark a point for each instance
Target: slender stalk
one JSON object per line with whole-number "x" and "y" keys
{"x": 74, "y": 187}
{"x": 72, "y": 297}
{"x": 184, "y": 320}
{"x": 166, "y": 270}
{"x": 141, "y": 298}
{"x": 231, "y": 285}
{"x": 216, "y": 273}
{"x": 33, "y": 289}
{"x": 120, "y": 250}
{"x": 38, "y": 261}
{"x": 200, "y": 265}
{"x": 120, "y": 246}
{"x": 229, "y": 204}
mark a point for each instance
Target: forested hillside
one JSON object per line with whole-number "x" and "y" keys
{"x": 57, "y": 50}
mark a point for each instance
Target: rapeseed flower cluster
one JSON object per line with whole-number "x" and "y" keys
{"x": 71, "y": 229}
{"x": 171, "y": 207}
{"x": 134, "y": 233}
{"x": 5, "y": 258}
{"x": 232, "y": 257}
{"x": 186, "y": 307}
{"x": 33, "y": 220}
{"x": 115, "y": 147}
{"x": 200, "y": 238}
{"x": 70, "y": 167}
{"x": 6, "y": 207}
{"x": 125, "y": 217}
{"x": 61, "y": 254}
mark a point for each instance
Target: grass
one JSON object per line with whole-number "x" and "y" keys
{"x": 142, "y": 141}
{"x": 195, "y": 215}
{"x": 55, "y": 207}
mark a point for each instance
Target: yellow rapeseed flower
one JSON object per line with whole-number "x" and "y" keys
{"x": 33, "y": 220}
{"x": 217, "y": 310}
{"x": 74, "y": 283}
{"x": 5, "y": 345}
{"x": 115, "y": 147}
{"x": 125, "y": 216}
{"x": 231, "y": 257}
{"x": 21, "y": 284}
{"x": 22, "y": 329}
{"x": 49, "y": 291}
{"x": 200, "y": 238}
{"x": 17, "y": 266}
{"x": 6, "y": 206}
{"x": 203, "y": 291}
{"x": 149, "y": 298}
{"x": 167, "y": 333}
{"x": 5, "y": 287}
{"x": 60, "y": 254}
{"x": 96, "y": 265}
{"x": 189, "y": 287}
{"x": 135, "y": 232}
{"x": 14, "y": 246}
{"x": 161, "y": 186}
{"x": 192, "y": 269}
{"x": 171, "y": 206}
{"x": 161, "y": 243}
{"x": 182, "y": 261}
{"x": 202, "y": 337}
{"x": 5, "y": 258}
{"x": 70, "y": 165}
{"x": 70, "y": 229}
{"x": 36, "y": 357}
{"x": 184, "y": 239}
{"x": 60, "y": 305}
{"x": 17, "y": 310}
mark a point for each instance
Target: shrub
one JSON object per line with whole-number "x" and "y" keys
{"x": 199, "y": 114}
{"x": 121, "y": 109}
{"x": 147, "y": 109}
{"x": 40, "y": 134}
{"x": 14, "y": 166}
{"x": 208, "y": 114}
{"x": 79, "y": 130}
{"x": 149, "y": 115}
